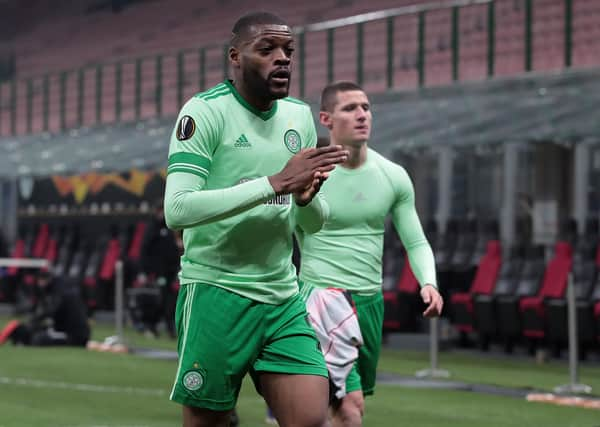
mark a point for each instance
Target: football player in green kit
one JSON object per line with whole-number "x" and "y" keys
{"x": 243, "y": 173}
{"x": 347, "y": 252}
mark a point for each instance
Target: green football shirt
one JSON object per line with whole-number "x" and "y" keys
{"x": 347, "y": 251}
{"x": 245, "y": 248}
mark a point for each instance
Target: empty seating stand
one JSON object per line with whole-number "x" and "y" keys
{"x": 483, "y": 284}
{"x": 554, "y": 285}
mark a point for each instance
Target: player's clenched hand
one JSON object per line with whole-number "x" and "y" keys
{"x": 433, "y": 299}
{"x": 300, "y": 172}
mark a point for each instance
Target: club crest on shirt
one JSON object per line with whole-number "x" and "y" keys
{"x": 185, "y": 128}
{"x": 292, "y": 140}
{"x": 193, "y": 380}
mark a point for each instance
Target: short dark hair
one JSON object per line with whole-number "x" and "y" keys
{"x": 241, "y": 28}
{"x": 329, "y": 94}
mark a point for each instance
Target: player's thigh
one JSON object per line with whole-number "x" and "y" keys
{"x": 291, "y": 345}
{"x": 370, "y": 316}
{"x": 290, "y": 371}
{"x": 296, "y": 400}
{"x": 199, "y": 417}
{"x": 219, "y": 337}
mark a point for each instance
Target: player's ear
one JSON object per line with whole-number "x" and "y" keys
{"x": 234, "y": 56}
{"x": 325, "y": 119}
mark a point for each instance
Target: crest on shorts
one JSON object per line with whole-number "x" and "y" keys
{"x": 185, "y": 128}
{"x": 292, "y": 141}
{"x": 192, "y": 380}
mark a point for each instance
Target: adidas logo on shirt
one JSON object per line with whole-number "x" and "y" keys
{"x": 359, "y": 197}
{"x": 242, "y": 142}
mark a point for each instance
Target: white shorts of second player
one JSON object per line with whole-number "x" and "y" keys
{"x": 333, "y": 316}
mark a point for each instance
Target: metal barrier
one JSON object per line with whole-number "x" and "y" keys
{"x": 433, "y": 371}
{"x": 574, "y": 386}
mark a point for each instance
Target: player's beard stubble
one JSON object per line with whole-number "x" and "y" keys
{"x": 264, "y": 88}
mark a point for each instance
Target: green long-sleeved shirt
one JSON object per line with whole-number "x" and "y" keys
{"x": 237, "y": 233}
{"x": 347, "y": 251}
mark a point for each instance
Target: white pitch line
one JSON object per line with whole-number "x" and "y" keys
{"x": 28, "y": 382}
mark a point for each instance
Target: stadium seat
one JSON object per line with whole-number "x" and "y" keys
{"x": 461, "y": 268}
{"x": 106, "y": 274}
{"x": 17, "y": 252}
{"x": 38, "y": 251}
{"x": 554, "y": 285}
{"x": 584, "y": 279}
{"x": 63, "y": 258}
{"x": 408, "y": 300}
{"x": 508, "y": 316}
{"x": 393, "y": 262}
{"x": 443, "y": 247}
{"x": 135, "y": 248}
{"x": 484, "y": 306}
{"x": 487, "y": 230}
{"x": 483, "y": 284}
{"x": 90, "y": 279}
{"x": 8, "y": 282}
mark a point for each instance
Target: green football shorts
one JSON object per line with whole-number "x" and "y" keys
{"x": 222, "y": 336}
{"x": 370, "y": 318}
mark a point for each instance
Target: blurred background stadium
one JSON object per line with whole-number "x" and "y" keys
{"x": 491, "y": 105}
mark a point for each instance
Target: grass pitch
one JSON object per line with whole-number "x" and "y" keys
{"x": 77, "y": 388}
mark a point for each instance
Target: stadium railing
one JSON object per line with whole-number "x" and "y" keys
{"x": 405, "y": 47}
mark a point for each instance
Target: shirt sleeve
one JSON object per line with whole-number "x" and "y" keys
{"x": 408, "y": 226}
{"x": 187, "y": 204}
{"x": 193, "y": 142}
{"x": 194, "y": 139}
{"x": 310, "y": 218}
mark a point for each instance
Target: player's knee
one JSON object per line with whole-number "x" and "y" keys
{"x": 199, "y": 417}
{"x": 307, "y": 420}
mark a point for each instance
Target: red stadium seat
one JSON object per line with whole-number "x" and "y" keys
{"x": 113, "y": 251}
{"x": 405, "y": 301}
{"x": 135, "y": 249}
{"x": 18, "y": 252}
{"x": 553, "y": 286}
{"x": 483, "y": 284}
{"x": 39, "y": 247}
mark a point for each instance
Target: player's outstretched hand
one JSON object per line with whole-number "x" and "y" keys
{"x": 433, "y": 299}
{"x": 306, "y": 167}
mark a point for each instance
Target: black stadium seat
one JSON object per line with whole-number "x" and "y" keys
{"x": 508, "y": 317}
{"x": 485, "y": 306}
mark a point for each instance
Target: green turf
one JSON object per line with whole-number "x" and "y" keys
{"x": 36, "y": 389}
{"x": 489, "y": 369}
{"x": 49, "y": 405}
